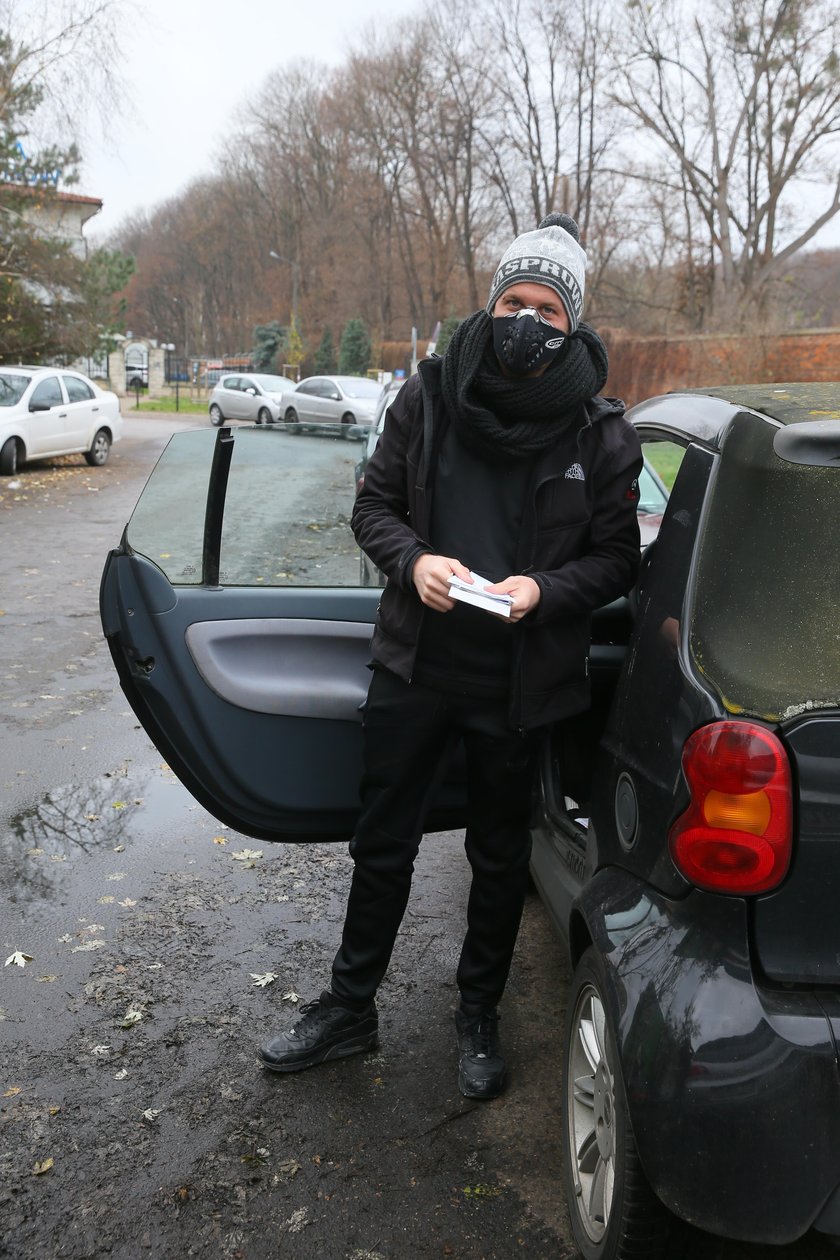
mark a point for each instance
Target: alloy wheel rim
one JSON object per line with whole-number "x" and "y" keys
{"x": 591, "y": 1114}
{"x": 100, "y": 447}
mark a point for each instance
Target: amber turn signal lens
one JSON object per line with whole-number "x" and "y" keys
{"x": 738, "y": 812}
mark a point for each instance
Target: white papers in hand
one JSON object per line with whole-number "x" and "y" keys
{"x": 476, "y": 593}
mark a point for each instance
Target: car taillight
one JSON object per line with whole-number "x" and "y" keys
{"x": 737, "y": 833}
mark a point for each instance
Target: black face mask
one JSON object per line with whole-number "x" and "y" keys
{"x": 524, "y": 341}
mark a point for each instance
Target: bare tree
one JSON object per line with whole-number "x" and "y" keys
{"x": 745, "y": 102}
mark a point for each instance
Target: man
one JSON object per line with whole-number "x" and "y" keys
{"x": 499, "y": 458}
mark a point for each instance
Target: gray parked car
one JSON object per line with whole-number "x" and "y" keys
{"x": 248, "y": 396}
{"x": 332, "y": 400}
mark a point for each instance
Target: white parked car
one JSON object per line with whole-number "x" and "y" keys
{"x": 330, "y": 401}
{"x": 248, "y": 396}
{"x": 46, "y": 411}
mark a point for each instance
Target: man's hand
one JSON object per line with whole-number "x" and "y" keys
{"x": 431, "y": 575}
{"x": 524, "y": 592}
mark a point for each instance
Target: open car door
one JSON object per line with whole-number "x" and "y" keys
{"x": 239, "y": 629}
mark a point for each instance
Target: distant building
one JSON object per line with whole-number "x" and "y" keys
{"x": 62, "y": 215}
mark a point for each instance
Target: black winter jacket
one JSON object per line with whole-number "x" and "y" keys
{"x": 579, "y": 541}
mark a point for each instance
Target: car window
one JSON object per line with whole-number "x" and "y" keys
{"x": 766, "y": 618}
{"x": 664, "y": 455}
{"x": 307, "y": 387}
{"x": 229, "y": 382}
{"x": 77, "y": 390}
{"x": 246, "y": 383}
{"x": 47, "y": 391}
{"x": 12, "y": 388}
{"x": 273, "y": 384}
{"x": 286, "y": 518}
{"x": 361, "y": 388}
{"x": 329, "y": 389}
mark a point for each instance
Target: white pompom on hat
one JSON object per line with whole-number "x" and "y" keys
{"x": 551, "y": 255}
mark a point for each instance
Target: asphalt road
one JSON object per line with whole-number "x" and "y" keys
{"x": 135, "y": 1117}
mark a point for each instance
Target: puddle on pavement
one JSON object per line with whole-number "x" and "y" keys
{"x": 108, "y": 814}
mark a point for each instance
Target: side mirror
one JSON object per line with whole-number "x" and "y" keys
{"x": 336, "y": 397}
{"x": 250, "y": 390}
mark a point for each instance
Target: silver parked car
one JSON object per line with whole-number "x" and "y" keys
{"x": 248, "y": 396}
{"x": 46, "y": 411}
{"x": 332, "y": 400}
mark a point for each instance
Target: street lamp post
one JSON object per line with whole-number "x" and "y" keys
{"x": 272, "y": 253}
{"x": 169, "y": 347}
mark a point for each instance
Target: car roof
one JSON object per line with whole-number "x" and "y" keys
{"x": 704, "y": 415}
{"x": 790, "y": 403}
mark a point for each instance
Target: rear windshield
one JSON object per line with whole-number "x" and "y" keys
{"x": 765, "y": 629}
{"x": 12, "y": 388}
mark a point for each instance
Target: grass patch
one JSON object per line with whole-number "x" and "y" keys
{"x": 665, "y": 458}
{"x": 191, "y": 406}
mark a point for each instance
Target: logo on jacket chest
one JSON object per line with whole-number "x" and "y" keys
{"x": 574, "y": 473}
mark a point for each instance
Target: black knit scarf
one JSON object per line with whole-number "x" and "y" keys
{"x": 504, "y": 418}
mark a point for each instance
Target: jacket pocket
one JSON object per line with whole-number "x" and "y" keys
{"x": 556, "y": 547}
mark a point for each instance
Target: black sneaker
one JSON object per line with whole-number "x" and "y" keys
{"x": 327, "y": 1030}
{"x": 481, "y": 1068}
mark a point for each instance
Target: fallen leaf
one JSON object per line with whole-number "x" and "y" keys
{"x": 259, "y": 982}
{"x": 66, "y": 938}
{"x": 247, "y": 855}
{"x": 119, "y": 848}
{"x": 35, "y": 852}
{"x": 291, "y": 996}
{"x": 13, "y": 1092}
{"x": 54, "y": 1111}
{"x": 92, "y": 817}
{"x": 101, "y": 1051}
{"x": 289, "y": 1168}
{"x": 43, "y": 1167}
{"x": 118, "y": 805}
{"x": 154, "y": 967}
{"x": 127, "y": 903}
{"x": 151, "y": 1114}
{"x": 117, "y": 875}
{"x": 102, "y": 901}
{"x": 121, "y": 1075}
{"x": 220, "y": 839}
{"x": 298, "y": 1221}
{"x": 133, "y": 1015}
{"x": 18, "y": 959}
{"x": 46, "y": 979}
{"x": 87, "y": 947}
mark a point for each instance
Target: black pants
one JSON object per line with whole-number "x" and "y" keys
{"x": 409, "y": 730}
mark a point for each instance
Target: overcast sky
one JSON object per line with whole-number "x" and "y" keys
{"x": 188, "y": 65}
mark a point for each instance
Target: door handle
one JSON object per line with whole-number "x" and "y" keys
{"x": 62, "y": 415}
{"x": 94, "y": 408}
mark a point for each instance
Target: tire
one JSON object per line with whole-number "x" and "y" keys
{"x": 216, "y": 417}
{"x": 264, "y": 416}
{"x": 291, "y": 419}
{"x": 614, "y": 1213}
{"x": 9, "y": 458}
{"x": 100, "y": 449}
{"x": 347, "y": 419}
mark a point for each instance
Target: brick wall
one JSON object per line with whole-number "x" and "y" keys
{"x": 643, "y": 366}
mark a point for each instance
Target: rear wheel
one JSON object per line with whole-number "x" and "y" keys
{"x": 9, "y": 458}
{"x": 216, "y": 416}
{"x": 264, "y": 416}
{"x": 614, "y": 1213}
{"x": 100, "y": 449}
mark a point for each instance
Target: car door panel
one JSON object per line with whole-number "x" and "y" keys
{"x": 263, "y": 665}
{"x": 252, "y": 693}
